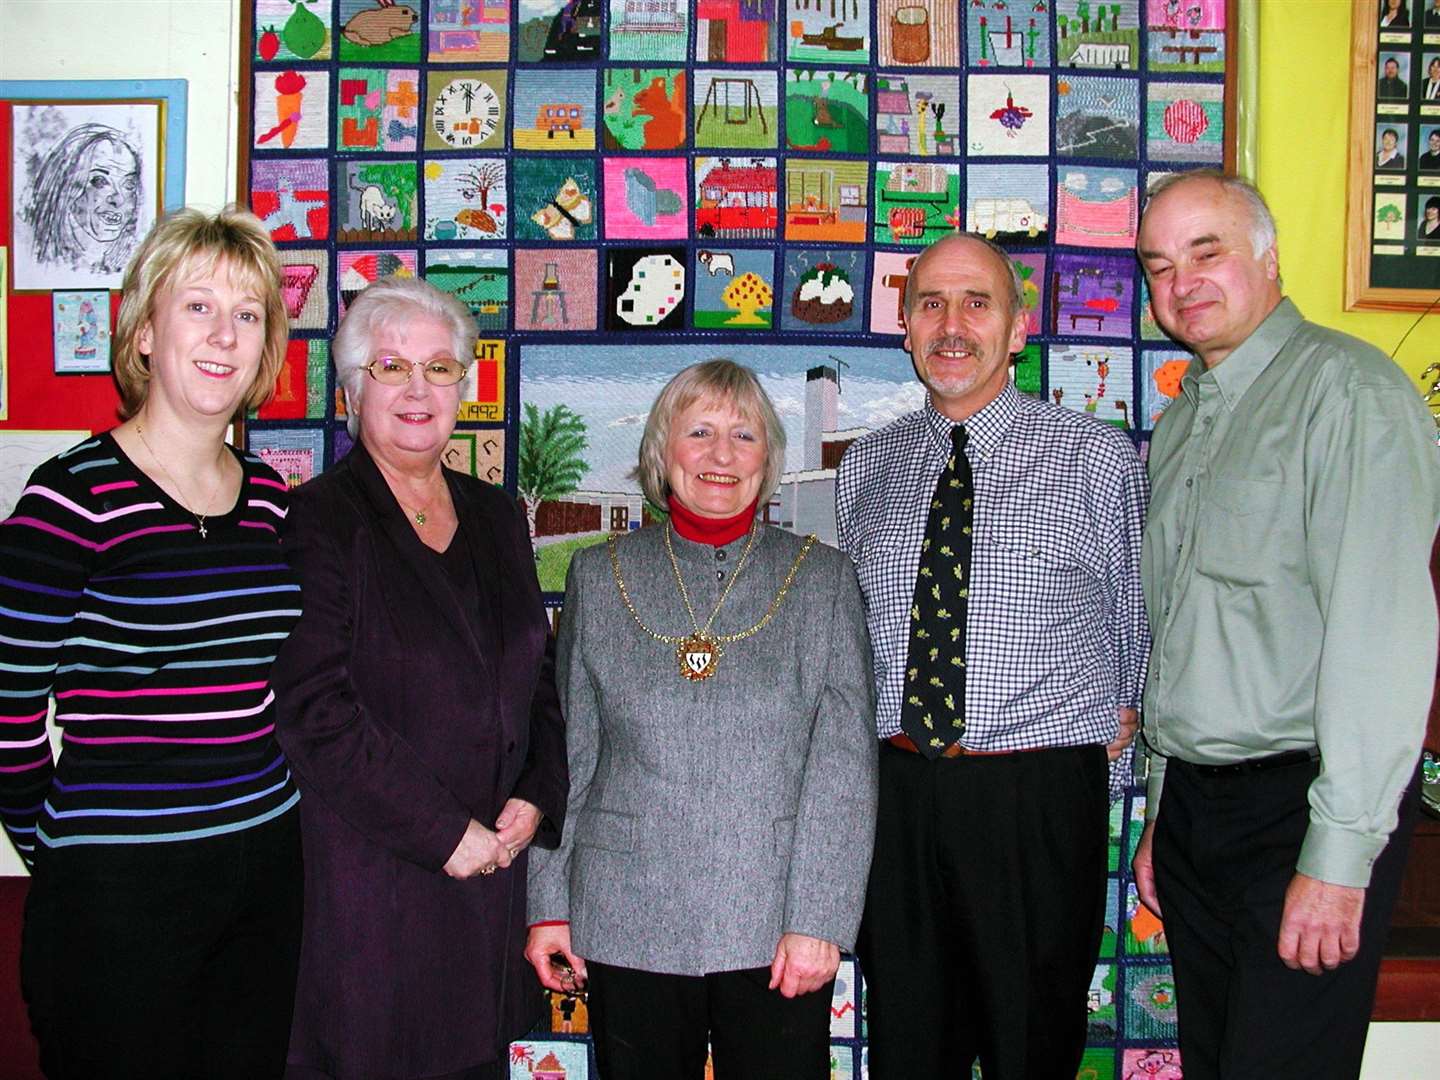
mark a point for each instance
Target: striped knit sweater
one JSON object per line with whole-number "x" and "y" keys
{"x": 156, "y": 643}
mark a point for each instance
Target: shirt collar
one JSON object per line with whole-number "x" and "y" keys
{"x": 1235, "y": 374}
{"x": 985, "y": 430}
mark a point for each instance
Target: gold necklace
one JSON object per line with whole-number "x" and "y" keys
{"x": 158, "y": 461}
{"x": 698, "y": 653}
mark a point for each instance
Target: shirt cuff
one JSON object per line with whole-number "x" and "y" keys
{"x": 1338, "y": 856}
{"x": 550, "y": 922}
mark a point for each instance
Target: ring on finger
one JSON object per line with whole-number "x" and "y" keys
{"x": 487, "y": 870}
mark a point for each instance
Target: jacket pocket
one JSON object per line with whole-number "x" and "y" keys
{"x": 784, "y": 835}
{"x": 606, "y": 830}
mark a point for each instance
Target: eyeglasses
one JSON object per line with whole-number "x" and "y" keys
{"x": 396, "y": 370}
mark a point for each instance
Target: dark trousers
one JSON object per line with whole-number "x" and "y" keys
{"x": 168, "y": 960}
{"x": 1225, "y": 850}
{"x": 984, "y": 914}
{"x": 649, "y": 1026}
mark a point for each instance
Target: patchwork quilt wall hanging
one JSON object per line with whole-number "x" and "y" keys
{"x": 619, "y": 188}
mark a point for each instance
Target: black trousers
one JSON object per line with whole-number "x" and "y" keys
{"x": 984, "y": 914}
{"x": 165, "y": 961}
{"x": 650, "y": 1026}
{"x": 1225, "y": 850}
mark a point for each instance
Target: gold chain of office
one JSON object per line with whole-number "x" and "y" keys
{"x": 698, "y": 653}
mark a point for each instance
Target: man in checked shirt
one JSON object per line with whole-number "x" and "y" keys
{"x": 997, "y": 542}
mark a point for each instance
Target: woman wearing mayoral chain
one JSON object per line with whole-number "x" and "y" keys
{"x": 715, "y": 678}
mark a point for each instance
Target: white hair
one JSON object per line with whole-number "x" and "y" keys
{"x": 1262, "y": 222}
{"x": 386, "y": 302}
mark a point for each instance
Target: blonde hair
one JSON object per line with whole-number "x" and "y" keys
{"x": 711, "y": 380}
{"x": 389, "y": 301}
{"x": 190, "y": 242}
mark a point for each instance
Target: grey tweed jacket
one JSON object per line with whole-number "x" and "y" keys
{"x": 706, "y": 819}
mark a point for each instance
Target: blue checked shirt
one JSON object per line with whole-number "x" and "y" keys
{"x": 1057, "y": 639}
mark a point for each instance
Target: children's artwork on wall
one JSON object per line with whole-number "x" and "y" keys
{"x": 301, "y": 389}
{"x": 1144, "y": 932}
{"x": 1110, "y": 934}
{"x": 1150, "y": 1002}
{"x": 736, "y": 109}
{"x": 826, "y": 201}
{"x": 735, "y": 31}
{"x": 84, "y": 184}
{"x": 304, "y": 287}
{"x": 482, "y": 454}
{"x": 1149, "y": 328}
{"x": 555, "y": 289}
{"x": 1007, "y": 202}
{"x": 826, "y": 111}
{"x": 844, "y": 1002}
{"x": 887, "y": 291}
{"x": 1008, "y": 115}
{"x": 916, "y": 202}
{"x": 465, "y": 110}
{"x": 820, "y": 33}
{"x": 1098, "y": 1063}
{"x": 292, "y": 110}
{"x": 1098, "y": 35}
{"x": 645, "y": 289}
{"x": 1096, "y": 207}
{"x": 734, "y": 289}
{"x": 1186, "y": 122}
{"x": 554, "y": 199}
{"x": 1094, "y": 380}
{"x": 649, "y": 29}
{"x": 292, "y": 197}
{"x": 646, "y": 198}
{"x": 482, "y": 391}
{"x": 1148, "y": 1064}
{"x": 823, "y": 290}
{"x": 379, "y": 109}
{"x": 293, "y": 29}
{"x": 378, "y": 202}
{"x": 919, "y": 33}
{"x": 644, "y": 108}
{"x": 736, "y": 198}
{"x": 1102, "y": 1015}
{"x": 558, "y": 30}
{"x": 379, "y": 31}
{"x": 1097, "y": 116}
{"x": 1030, "y": 265}
{"x": 296, "y": 454}
{"x": 4, "y": 334}
{"x": 22, "y": 452}
{"x": 912, "y": 111}
{"x": 356, "y": 269}
{"x": 1390, "y": 213}
{"x": 468, "y": 30}
{"x": 466, "y": 199}
{"x": 1186, "y": 36}
{"x": 1092, "y": 294}
{"x": 544, "y": 1060}
{"x": 554, "y": 110}
{"x": 478, "y": 277}
{"x": 1026, "y": 371}
{"x": 1160, "y": 373}
{"x": 1006, "y": 34}
{"x": 80, "y": 322}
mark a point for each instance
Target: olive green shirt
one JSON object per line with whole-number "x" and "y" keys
{"x": 1296, "y": 493}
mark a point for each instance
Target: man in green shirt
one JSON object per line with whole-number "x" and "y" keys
{"x": 1296, "y": 493}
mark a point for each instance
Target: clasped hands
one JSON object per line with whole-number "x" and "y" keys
{"x": 482, "y": 851}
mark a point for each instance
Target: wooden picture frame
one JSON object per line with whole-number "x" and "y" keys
{"x": 1389, "y": 265}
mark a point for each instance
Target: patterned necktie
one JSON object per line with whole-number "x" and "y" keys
{"x": 933, "y": 713}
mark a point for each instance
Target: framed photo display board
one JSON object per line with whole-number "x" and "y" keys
{"x": 1393, "y": 218}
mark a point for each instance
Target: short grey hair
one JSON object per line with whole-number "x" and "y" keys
{"x": 389, "y": 301}
{"x": 1262, "y": 222}
{"x": 719, "y": 380}
{"x": 1012, "y": 276}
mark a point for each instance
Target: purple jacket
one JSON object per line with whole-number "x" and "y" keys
{"x": 403, "y": 716}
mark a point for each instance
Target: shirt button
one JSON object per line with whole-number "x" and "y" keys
{"x": 719, "y": 575}
{"x": 720, "y": 554}
{"x": 1189, "y": 481}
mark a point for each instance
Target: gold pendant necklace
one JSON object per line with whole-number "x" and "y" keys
{"x": 199, "y": 518}
{"x": 698, "y": 653}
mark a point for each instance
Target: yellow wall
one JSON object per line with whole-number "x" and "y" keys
{"x": 1303, "y": 133}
